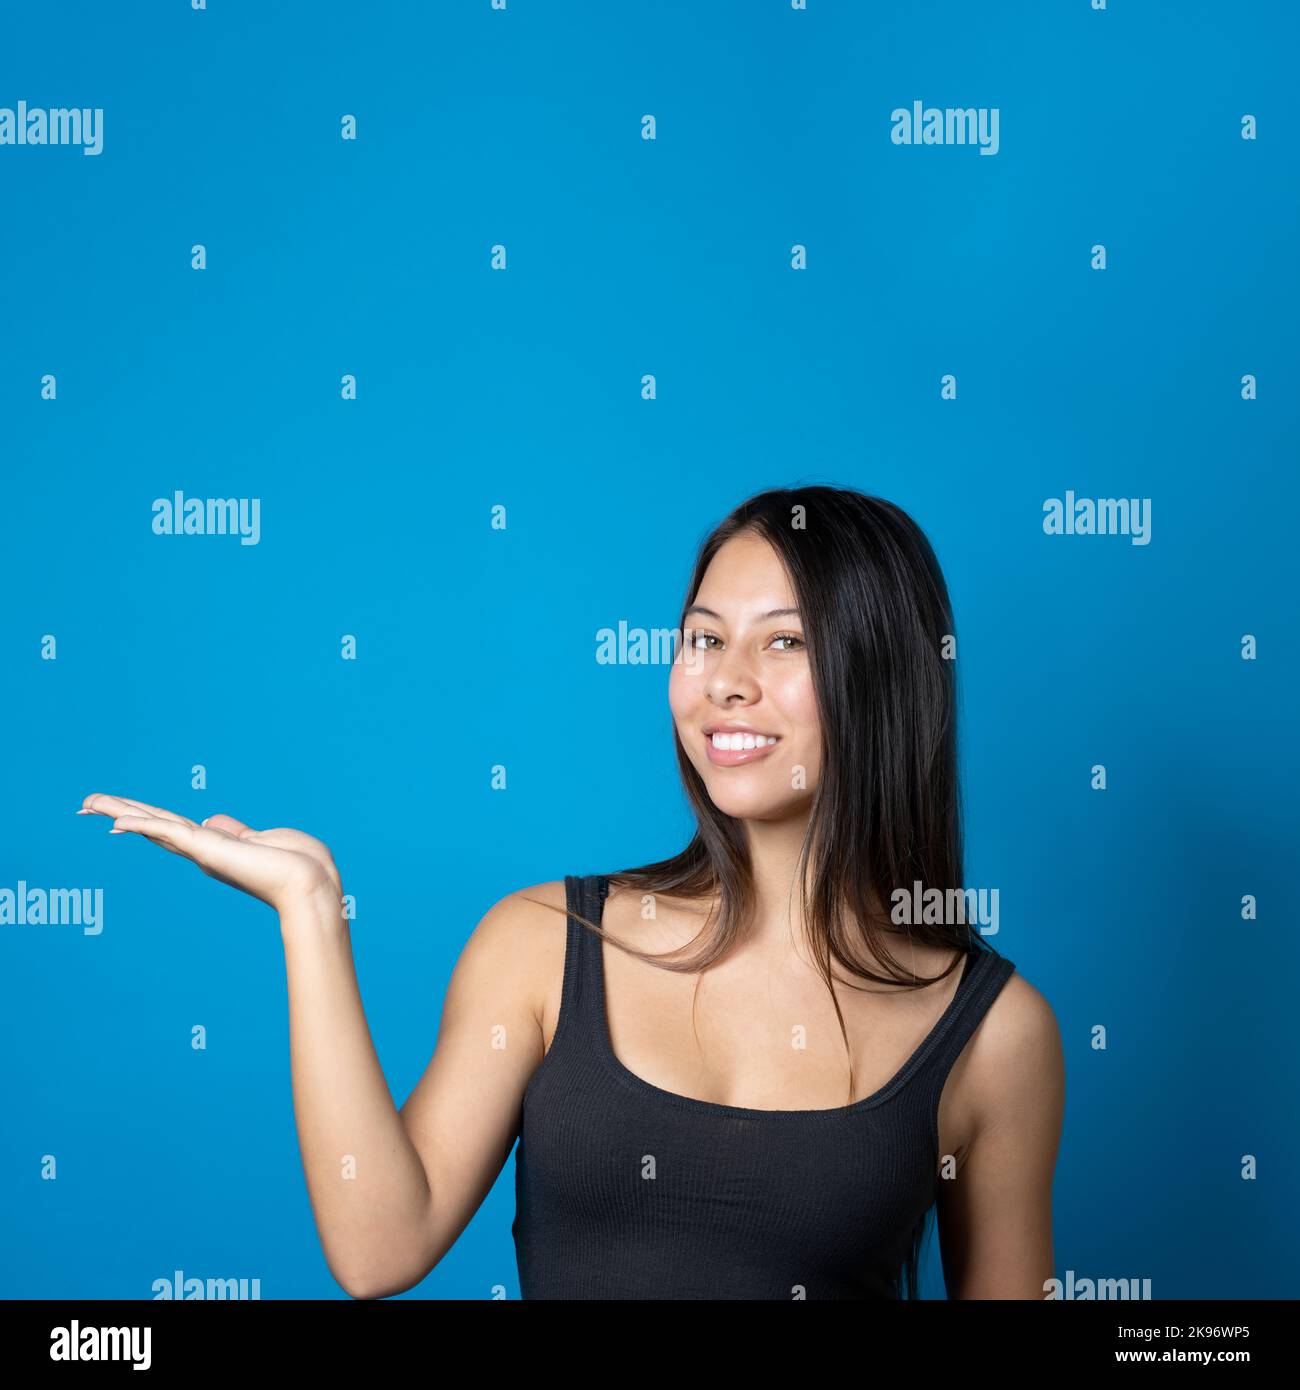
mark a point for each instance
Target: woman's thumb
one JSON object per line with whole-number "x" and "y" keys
{"x": 229, "y": 825}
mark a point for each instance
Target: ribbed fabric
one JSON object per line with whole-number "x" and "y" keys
{"x": 624, "y": 1190}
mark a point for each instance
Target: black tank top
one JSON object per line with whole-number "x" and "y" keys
{"x": 624, "y": 1190}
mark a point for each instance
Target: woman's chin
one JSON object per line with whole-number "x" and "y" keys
{"x": 757, "y": 804}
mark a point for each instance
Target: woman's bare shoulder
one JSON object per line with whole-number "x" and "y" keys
{"x": 1021, "y": 1017}
{"x": 521, "y": 938}
{"x": 1016, "y": 1056}
{"x": 518, "y": 919}
{"x": 538, "y": 898}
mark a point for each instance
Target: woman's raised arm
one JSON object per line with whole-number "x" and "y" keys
{"x": 390, "y": 1190}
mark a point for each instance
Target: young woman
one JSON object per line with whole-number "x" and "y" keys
{"x": 777, "y": 1068}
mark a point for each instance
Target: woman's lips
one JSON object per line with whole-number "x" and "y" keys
{"x": 735, "y": 757}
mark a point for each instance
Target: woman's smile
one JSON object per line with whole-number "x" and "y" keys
{"x": 734, "y": 746}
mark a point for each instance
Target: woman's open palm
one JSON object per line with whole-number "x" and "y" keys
{"x": 278, "y": 866}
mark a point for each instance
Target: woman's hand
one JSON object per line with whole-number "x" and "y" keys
{"x": 281, "y": 867}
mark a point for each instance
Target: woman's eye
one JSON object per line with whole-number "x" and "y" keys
{"x": 699, "y": 639}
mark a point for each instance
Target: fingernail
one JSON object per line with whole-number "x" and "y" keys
{"x": 117, "y": 832}
{"x": 84, "y": 812}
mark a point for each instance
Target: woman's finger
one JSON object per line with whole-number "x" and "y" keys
{"x": 214, "y": 851}
{"x": 161, "y": 811}
{"x": 99, "y": 803}
{"x": 105, "y": 804}
{"x": 167, "y": 833}
{"x": 245, "y": 859}
{"x": 229, "y": 824}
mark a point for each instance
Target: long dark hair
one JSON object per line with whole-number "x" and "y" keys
{"x": 885, "y": 812}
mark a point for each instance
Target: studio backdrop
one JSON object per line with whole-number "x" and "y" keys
{"x": 369, "y": 375}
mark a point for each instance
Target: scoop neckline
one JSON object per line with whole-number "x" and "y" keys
{"x": 877, "y": 1097}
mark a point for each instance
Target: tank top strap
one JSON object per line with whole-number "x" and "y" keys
{"x": 582, "y": 1003}
{"x": 985, "y": 972}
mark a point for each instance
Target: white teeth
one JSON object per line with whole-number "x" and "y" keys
{"x": 728, "y": 743}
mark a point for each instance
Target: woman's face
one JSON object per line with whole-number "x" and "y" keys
{"x": 744, "y": 668}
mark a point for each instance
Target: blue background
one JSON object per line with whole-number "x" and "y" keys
{"x": 477, "y": 647}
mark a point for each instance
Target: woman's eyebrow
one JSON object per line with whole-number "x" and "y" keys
{"x": 762, "y": 617}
